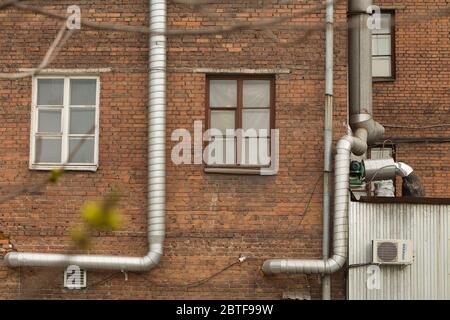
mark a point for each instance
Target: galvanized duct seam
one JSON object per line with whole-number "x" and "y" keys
{"x": 328, "y": 141}
{"x": 156, "y": 168}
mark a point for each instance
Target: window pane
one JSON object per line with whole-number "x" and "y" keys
{"x": 83, "y": 92}
{"x": 381, "y": 45}
{"x": 385, "y": 24}
{"x": 48, "y": 150}
{"x": 81, "y": 150}
{"x": 222, "y": 120}
{"x": 82, "y": 120}
{"x": 49, "y": 121}
{"x": 256, "y": 151}
{"x": 256, "y": 94}
{"x": 223, "y": 93}
{"x": 221, "y": 151}
{"x": 50, "y": 92}
{"x": 381, "y": 66}
{"x": 256, "y": 119}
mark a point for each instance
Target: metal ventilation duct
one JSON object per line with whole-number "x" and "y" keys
{"x": 365, "y": 130}
{"x": 385, "y": 169}
{"x": 156, "y": 171}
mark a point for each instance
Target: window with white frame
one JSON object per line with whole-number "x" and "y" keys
{"x": 64, "y": 128}
{"x": 383, "y": 44}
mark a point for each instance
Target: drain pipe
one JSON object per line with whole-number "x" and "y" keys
{"x": 156, "y": 172}
{"x": 328, "y": 141}
{"x": 365, "y": 131}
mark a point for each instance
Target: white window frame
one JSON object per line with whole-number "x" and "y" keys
{"x": 65, "y": 121}
{"x": 392, "y": 55}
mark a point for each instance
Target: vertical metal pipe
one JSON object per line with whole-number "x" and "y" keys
{"x": 359, "y": 57}
{"x": 364, "y": 129}
{"x": 156, "y": 171}
{"x": 328, "y": 140}
{"x": 344, "y": 147}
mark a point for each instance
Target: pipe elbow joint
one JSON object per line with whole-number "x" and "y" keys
{"x": 364, "y": 120}
{"x": 345, "y": 143}
{"x": 351, "y": 143}
{"x": 151, "y": 260}
{"x": 12, "y": 259}
{"x": 402, "y": 169}
{"x": 334, "y": 263}
{"x": 271, "y": 267}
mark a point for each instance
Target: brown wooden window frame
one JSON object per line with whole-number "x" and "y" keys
{"x": 238, "y": 117}
{"x": 391, "y": 12}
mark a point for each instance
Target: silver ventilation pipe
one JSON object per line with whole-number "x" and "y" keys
{"x": 360, "y": 69}
{"x": 344, "y": 146}
{"x": 328, "y": 141}
{"x": 365, "y": 130}
{"x": 156, "y": 174}
{"x": 385, "y": 169}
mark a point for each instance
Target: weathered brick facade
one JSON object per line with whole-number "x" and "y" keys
{"x": 211, "y": 219}
{"x": 419, "y": 96}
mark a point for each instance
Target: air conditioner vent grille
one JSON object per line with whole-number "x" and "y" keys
{"x": 387, "y": 251}
{"x": 392, "y": 251}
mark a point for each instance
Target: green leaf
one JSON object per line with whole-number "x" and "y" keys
{"x": 55, "y": 175}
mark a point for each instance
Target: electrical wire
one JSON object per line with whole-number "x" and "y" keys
{"x": 198, "y": 282}
{"x": 308, "y": 203}
{"x": 441, "y": 125}
{"x": 379, "y": 169}
{"x": 391, "y": 142}
{"x": 358, "y": 265}
{"x": 108, "y": 278}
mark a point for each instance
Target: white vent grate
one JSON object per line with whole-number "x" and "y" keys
{"x": 75, "y": 278}
{"x": 387, "y": 251}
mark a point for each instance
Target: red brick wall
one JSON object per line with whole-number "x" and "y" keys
{"x": 420, "y": 94}
{"x": 211, "y": 219}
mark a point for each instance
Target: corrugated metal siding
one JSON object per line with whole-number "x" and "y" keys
{"x": 426, "y": 225}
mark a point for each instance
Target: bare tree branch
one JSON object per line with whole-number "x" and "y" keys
{"x": 58, "y": 43}
{"x": 263, "y": 23}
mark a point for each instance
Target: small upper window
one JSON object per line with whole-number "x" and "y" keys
{"x": 240, "y": 116}
{"x": 64, "y": 128}
{"x": 383, "y": 48}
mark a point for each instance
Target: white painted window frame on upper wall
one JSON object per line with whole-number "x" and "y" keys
{"x": 65, "y": 122}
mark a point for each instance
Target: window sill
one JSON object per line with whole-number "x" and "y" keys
{"x": 48, "y": 167}
{"x": 256, "y": 171}
{"x": 383, "y": 79}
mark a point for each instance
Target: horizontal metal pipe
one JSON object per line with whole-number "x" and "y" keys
{"x": 156, "y": 172}
{"x": 365, "y": 130}
{"x": 385, "y": 169}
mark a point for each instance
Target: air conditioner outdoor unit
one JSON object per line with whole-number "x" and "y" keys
{"x": 399, "y": 252}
